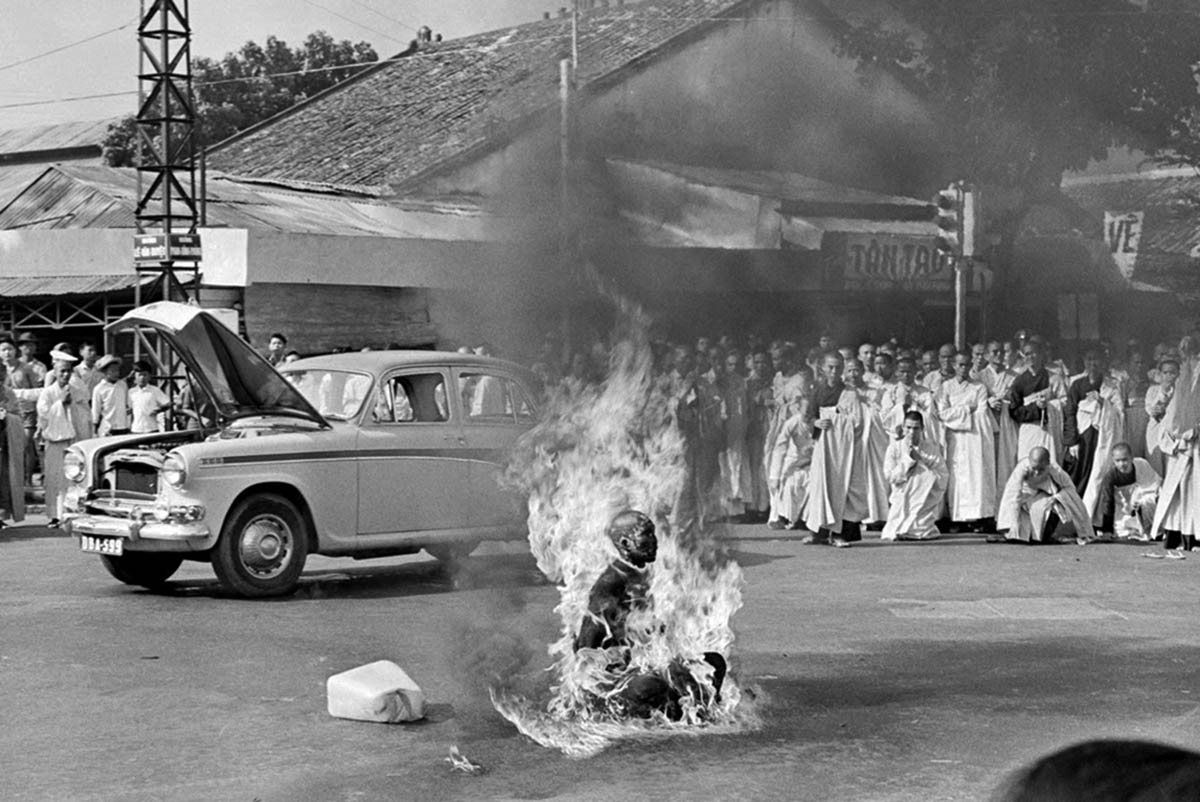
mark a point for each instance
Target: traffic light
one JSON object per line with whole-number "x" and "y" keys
{"x": 955, "y": 220}
{"x": 948, "y": 220}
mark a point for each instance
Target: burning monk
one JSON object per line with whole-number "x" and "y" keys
{"x": 624, "y": 587}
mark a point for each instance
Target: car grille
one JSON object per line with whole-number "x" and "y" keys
{"x": 132, "y": 478}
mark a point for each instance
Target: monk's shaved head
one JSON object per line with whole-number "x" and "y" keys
{"x": 1039, "y": 456}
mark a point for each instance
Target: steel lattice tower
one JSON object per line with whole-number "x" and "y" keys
{"x": 166, "y": 247}
{"x": 166, "y": 121}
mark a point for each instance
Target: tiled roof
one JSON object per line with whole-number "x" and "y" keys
{"x": 1170, "y": 202}
{"x": 398, "y": 122}
{"x": 1169, "y": 198}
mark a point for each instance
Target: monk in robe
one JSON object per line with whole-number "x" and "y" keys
{"x": 760, "y": 400}
{"x": 1177, "y": 518}
{"x": 790, "y": 387}
{"x": 873, "y": 442}
{"x": 906, "y": 395}
{"x": 1039, "y": 497}
{"x": 917, "y": 474}
{"x": 791, "y": 458}
{"x": 1093, "y": 422}
{"x": 736, "y": 489}
{"x": 1034, "y": 405}
{"x": 970, "y": 445}
{"x": 837, "y": 491}
{"x": 1158, "y": 398}
{"x": 1128, "y": 496}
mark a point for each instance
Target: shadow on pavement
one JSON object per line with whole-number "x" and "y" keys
{"x": 751, "y": 559}
{"x": 25, "y": 531}
{"x": 366, "y": 581}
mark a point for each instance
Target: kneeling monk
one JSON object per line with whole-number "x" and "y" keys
{"x": 917, "y": 474}
{"x": 1038, "y": 497}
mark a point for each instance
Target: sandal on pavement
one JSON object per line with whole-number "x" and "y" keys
{"x": 1153, "y": 555}
{"x": 1176, "y": 555}
{"x": 838, "y": 543}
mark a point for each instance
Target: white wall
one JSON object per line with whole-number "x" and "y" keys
{"x": 62, "y": 252}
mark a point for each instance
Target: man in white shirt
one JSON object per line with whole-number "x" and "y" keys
{"x": 146, "y": 401}
{"x": 86, "y": 369}
{"x": 110, "y": 399}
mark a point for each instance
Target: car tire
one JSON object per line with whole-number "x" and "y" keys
{"x": 262, "y": 547}
{"x": 450, "y": 554}
{"x": 145, "y": 569}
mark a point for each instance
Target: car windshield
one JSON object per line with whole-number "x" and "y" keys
{"x": 337, "y": 394}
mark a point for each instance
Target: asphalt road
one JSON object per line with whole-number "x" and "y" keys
{"x": 883, "y": 672}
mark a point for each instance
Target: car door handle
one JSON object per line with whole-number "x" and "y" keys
{"x": 459, "y": 439}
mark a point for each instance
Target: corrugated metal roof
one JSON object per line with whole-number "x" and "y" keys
{"x": 62, "y": 136}
{"x": 24, "y": 287}
{"x": 14, "y": 179}
{"x": 414, "y": 114}
{"x": 781, "y": 185}
{"x": 86, "y": 196}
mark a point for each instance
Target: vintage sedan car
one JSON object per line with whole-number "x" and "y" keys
{"x": 359, "y": 455}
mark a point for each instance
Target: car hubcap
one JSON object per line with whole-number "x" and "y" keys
{"x": 266, "y": 546}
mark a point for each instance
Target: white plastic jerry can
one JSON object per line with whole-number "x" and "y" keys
{"x": 378, "y": 691}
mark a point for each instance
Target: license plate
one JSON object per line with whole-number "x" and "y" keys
{"x": 113, "y": 546}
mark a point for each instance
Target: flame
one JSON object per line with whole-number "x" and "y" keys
{"x": 609, "y": 448}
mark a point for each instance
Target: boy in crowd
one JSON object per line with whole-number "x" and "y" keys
{"x": 110, "y": 399}
{"x": 146, "y": 400}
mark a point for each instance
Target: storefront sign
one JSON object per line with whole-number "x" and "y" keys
{"x": 891, "y": 262}
{"x": 153, "y": 248}
{"x": 1123, "y": 233}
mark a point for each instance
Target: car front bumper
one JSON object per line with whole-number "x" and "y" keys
{"x": 143, "y": 535}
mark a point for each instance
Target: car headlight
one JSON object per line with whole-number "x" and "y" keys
{"x": 74, "y": 466}
{"x": 173, "y": 471}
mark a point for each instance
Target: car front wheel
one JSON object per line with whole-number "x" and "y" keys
{"x": 146, "y": 569}
{"x": 262, "y": 548}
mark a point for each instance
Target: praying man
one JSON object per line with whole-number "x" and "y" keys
{"x": 917, "y": 475}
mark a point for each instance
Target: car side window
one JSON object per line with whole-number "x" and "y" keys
{"x": 412, "y": 398}
{"x": 489, "y": 398}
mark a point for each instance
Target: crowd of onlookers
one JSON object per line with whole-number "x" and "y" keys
{"x": 48, "y": 404}
{"x": 1003, "y": 438}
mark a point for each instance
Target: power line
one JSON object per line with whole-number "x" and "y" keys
{"x": 353, "y": 21}
{"x": 65, "y": 100}
{"x": 91, "y": 38}
{"x": 396, "y": 20}
{"x": 450, "y": 49}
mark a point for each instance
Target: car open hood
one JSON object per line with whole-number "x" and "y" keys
{"x": 239, "y": 381}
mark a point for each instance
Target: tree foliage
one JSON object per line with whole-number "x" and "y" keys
{"x": 251, "y": 85}
{"x": 1025, "y": 89}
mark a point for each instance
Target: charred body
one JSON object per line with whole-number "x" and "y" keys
{"x": 622, "y": 588}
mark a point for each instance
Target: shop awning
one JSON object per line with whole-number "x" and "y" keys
{"x": 46, "y": 286}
